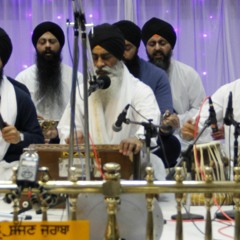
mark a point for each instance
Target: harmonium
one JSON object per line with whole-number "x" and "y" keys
{"x": 56, "y": 158}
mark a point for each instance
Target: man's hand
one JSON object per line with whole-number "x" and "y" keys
{"x": 40, "y": 117}
{"x": 219, "y": 134}
{"x": 78, "y": 138}
{"x": 170, "y": 121}
{"x": 130, "y": 146}
{"x": 11, "y": 135}
{"x": 49, "y": 128}
{"x": 50, "y": 133}
{"x": 187, "y": 130}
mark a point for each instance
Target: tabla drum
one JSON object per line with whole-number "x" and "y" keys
{"x": 210, "y": 154}
{"x": 131, "y": 216}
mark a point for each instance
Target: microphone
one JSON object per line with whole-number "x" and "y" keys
{"x": 212, "y": 116}
{"x": 102, "y": 82}
{"x": 228, "y": 119}
{"x": 117, "y": 126}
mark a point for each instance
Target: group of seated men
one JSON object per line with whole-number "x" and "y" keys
{"x": 162, "y": 93}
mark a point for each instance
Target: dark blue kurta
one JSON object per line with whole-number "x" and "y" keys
{"x": 157, "y": 79}
{"x": 26, "y": 122}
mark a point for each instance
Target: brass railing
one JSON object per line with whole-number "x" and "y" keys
{"x": 113, "y": 187}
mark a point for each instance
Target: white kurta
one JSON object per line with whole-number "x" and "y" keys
{"x": 187, "y": 90}
{"x": 133, "y": 92}
{"x": 28, "y": 78}
{"x": 220, "y": 103}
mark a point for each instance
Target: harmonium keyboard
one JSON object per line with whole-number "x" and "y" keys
{"x": 56, "y": 158}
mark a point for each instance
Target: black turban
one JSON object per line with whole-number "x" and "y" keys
{"x": 48, "y": 27}
{"x": 5, "y": 47}
{"x": 108, "y": 37}
{"x": 161, "y": 28}
{"x": 130, "y": 31}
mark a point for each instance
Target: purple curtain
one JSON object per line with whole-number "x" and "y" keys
{"x": 207, "y": 30}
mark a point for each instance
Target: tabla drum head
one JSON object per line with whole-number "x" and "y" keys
{"x": 131, "y": 216}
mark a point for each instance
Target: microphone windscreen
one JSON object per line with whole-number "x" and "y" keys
{"x": 104, "y": 82}
{"x": 116, "y": 128}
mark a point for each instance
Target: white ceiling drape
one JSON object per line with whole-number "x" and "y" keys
{"x": 208, "y": 31}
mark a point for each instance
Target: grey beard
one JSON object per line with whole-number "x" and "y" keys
{"x": 115, "y": 75}
{"x": 115, "y": 71}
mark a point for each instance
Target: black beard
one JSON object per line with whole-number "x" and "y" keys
{"x": 49, "y": 78}
{"x": 1, "y": 75}
{"x": 133, "y": 65}
{"x": 165, "y": 63}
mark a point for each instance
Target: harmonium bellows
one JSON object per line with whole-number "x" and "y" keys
{"x": 55, "y": 158}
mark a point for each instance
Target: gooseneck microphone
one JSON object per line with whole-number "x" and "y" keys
{"x": 102, "y": 82}
{"x": 228, "y": 119}
{"x": 117, "y": 126}
{"x": 212, "y": 116}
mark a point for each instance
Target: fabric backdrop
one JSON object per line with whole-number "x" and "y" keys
{"x": 208, "y": 32}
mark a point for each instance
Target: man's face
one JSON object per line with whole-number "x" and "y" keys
{"x": 48, "y": 45}
{"x": 130, "y": 50}
{"x": 49, "y": 78}
{"x": 159, "y": 51}
{"x": 101, "y": 59}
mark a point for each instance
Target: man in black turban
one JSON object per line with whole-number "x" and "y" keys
{"x": 107, "y": 45}
{"x": 49, "y": 80}
{"x": 156, "y": 30}
{"x": 155, "y": 78}
{"x": 18, "y": 126}
{"x": 187, "y": 89}
{"x": 105, "y": 105}
{"x": 5, "y": 47}
{"x": 48, "y": 27}
{"x": 108, "y": 37}
{"x": 5, "y": 50}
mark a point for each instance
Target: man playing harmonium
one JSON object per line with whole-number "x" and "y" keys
{"x": 107, "y": 45}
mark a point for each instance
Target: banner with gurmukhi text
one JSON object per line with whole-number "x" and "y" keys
{"x": 68, "y": 230}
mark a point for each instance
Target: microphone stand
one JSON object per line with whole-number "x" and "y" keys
{"x": 236, "y": 134}
{"x": 85, "y": 91}
{"x": 73, "y": 90}
{"x": 80, "y": 20}
{"x": 185, "y": 157}
{"x": 231, "y": 213}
